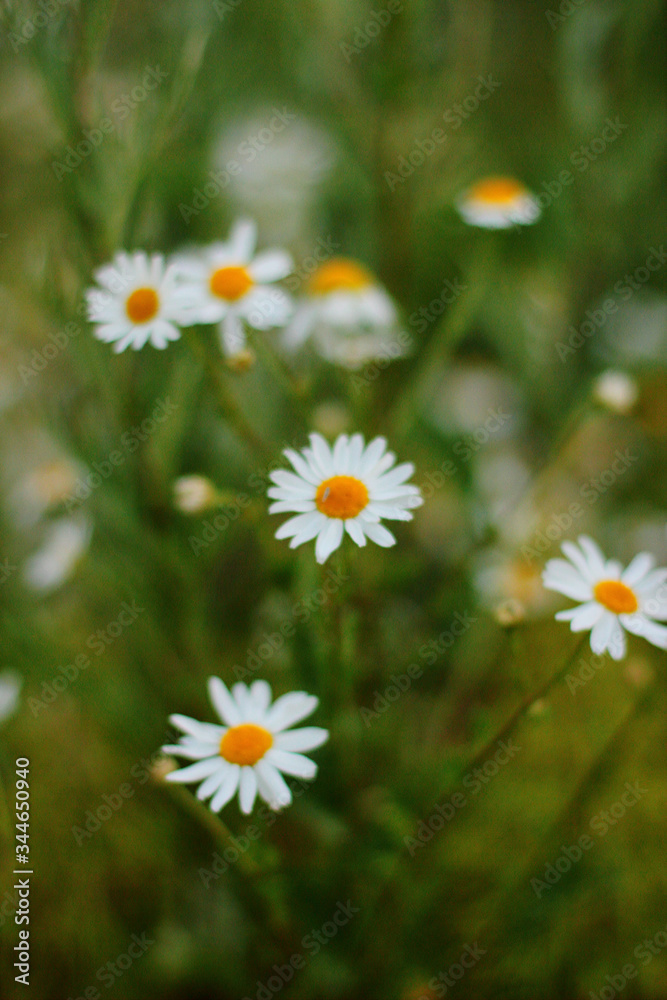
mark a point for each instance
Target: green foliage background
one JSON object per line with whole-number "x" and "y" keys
{"x": 561, "y": 77}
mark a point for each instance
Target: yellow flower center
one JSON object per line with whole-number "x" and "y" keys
{"x": 616, "y": 597}
{"x": 230, "y": 283}
{"x": 339, "y": 274}
{"x": 142, "y": 305}
{"x": 245, "y": 744}
{"x": 497, "y": 190}
{"x": 341, "y": 496}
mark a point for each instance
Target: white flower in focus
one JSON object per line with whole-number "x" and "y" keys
{"x": 10, "y": 689}
{"x": 137, "y": 303}
{"x": 194, "y": 494}
{"x": 617, "y": 391}
{"x": 253, "y": 748}
{"x": 348, "y": 314}
{"x": 347, "y": 488}
{"x": 65, "y": 545}
{"x": 614, "y": 599}
{"x": 226, "y": 283}
{"x": 498, "y": 203}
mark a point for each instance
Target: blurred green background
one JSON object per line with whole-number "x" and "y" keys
{"x": 361, "y": 99}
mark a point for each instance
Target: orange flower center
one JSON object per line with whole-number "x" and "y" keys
{"x": 142, "y": 305}
{"x": 497, "y": 190}
{"x": 341, "y": 496}
{"x": 230, "y": 283}
{"x": 339, "y": 274}
{"x": 616, "y": 597}
{"x": 245, "y": 744}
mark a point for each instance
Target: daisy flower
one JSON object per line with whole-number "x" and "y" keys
{"x": 137, "y": 303}
{"x": 349, "y": 315}
{"x": 253, "y": 748}
{"x": 498, "y": 203}
{"x": 226, "y": 283}
{"x": 347, "y": 488}
{"x": 614, "y": 599}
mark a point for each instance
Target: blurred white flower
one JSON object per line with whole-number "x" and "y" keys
{"x": 498, "y": 203}
{"x": 45, "y": 487}
{"x": 194, "y": 494}
{"x": 10, "y": 689}
{"x": 226, "y": 283}
{"x": 634, "y": 599}
{"x": 617, "y": 391}
{"x": 348, "y": 488}
{"x": 349, "y": 315}
{"x": 138, "y": 302}
{"x": 252, "y": 750}
{"x": 66, "y": 543}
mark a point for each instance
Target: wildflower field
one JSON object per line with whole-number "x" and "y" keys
{"x": 333, "y": 512}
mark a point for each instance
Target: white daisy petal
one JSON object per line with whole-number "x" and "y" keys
{"x": 639, "y": 568}
{"x": 301, "y": 740}
{"x": 290, "y": 709}
{"x": 602, "y": 632}
{"x": 578, "y": 558}
{"x": 271, "y": 265}
{"x": 295, "y": 506}
{"x": 294, "y": 764}
{"x": 322, "y": 453}
{"x": 309, "y": 530}
{"x": 356, "y": 532}
{"x": 586, "y": 616}
{"x": 291, "y": 482}
{"x": 380, "y": 535}
{"x": 651, "y": 631}
{"x": 302, "y": 467}
{"x": 195, "y": 772}
{"x": 261, "y": 693}
{"x": 227, "y": 789}
{"x": 191, "y": 751}
{"x": 223, "y": 702}
{"x": 340, "y": 455}
{"x": 242, "y": 240}
{"x": 212, "y": 784}
{"x": 272, "y": 786}
{"x": 593, "y": 554}
{"x": 248, "y": 789}
{"x": 328, "y": 539}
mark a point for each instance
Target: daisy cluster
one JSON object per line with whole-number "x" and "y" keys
{"x": 141, "y": 299}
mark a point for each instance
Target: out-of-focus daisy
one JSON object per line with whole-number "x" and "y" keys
{"x": 137, "y": 303}
{"x": 617, "y": 391}
{"x": 350, "y": 316}
{"x": 10, "y": 689}
{"x": 194, "y": 494}
{"x": 253, "y": 748}
{"x": 614, "y": 599}
{"x": 65, "y": 545}
{"x": 348, "y": 488}
{"x": 226, "y": 283}
{"x": 498, "y": 203}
